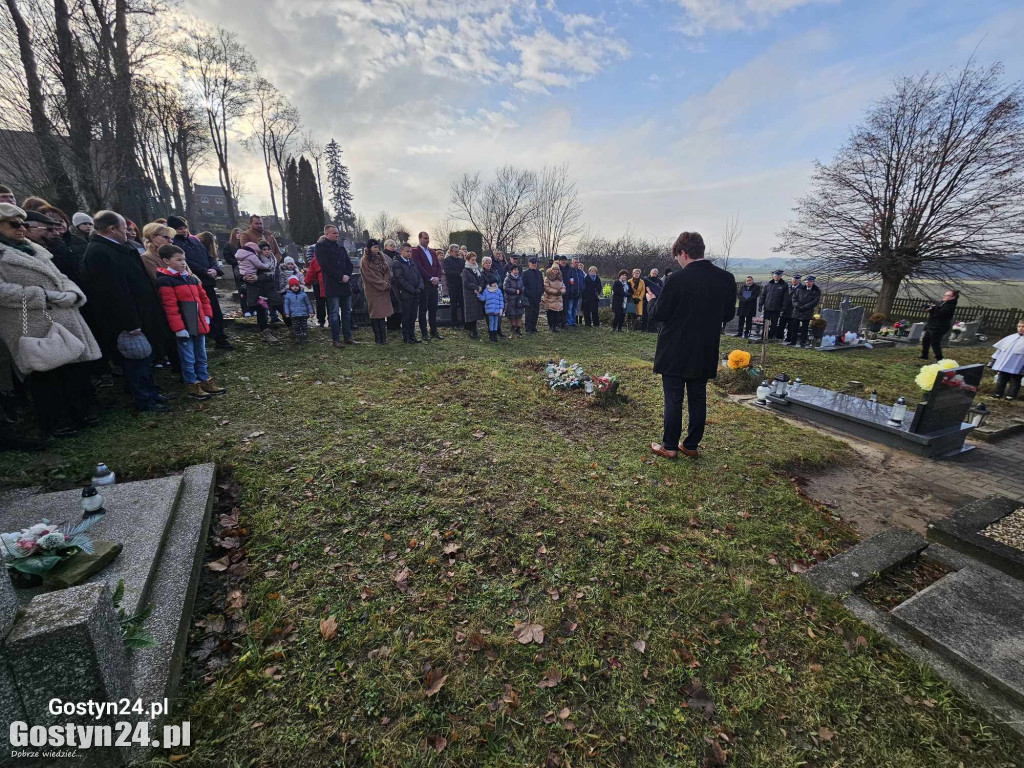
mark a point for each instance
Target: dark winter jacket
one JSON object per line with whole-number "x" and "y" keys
{"x": 940, "y": 317}
{"x": 620, "y": 295}
{"x": 181, "y": 296}
{"x": 227, "y": 252}
{"x": 471, "y": 284}
{"x": 198, "y": 259}
{"x": 748, "y": 295}
{"x": 788, "y": 307}
{"x": 514, "y": 290}
{"x": 453, "y": 266}
{"x": 573, "y": 279}
{"x": 805, "y": 300}
{"x": 406, "y": 278}
{"x": 533, "y": 285}
{"x": 773, "y": 296}
{"x": 692, "y": 307}
{"x": 592, "y": 288}
{"x": 501, "y": 268}
{"x": 334, "y": 265}
{"x": 117, "y": 286}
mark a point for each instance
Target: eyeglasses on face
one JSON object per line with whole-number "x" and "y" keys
{"x": 17, "y": 224}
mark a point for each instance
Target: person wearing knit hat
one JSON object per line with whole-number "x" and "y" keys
{"x": 204, "y": 266}
{"x": 82, "y": 222}
{"x": 298, "y": 308}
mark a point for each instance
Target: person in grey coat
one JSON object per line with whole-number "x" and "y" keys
{"x": 515, "y": 300}
{"x": 408, "y": 283}
{"x": 472, "y": 284}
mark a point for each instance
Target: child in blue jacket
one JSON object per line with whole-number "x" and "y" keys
{"x": 298, "y": 308}
{"x": 494, "y": 305}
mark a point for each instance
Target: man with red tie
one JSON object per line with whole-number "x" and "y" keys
{"x": 430, "y": 267}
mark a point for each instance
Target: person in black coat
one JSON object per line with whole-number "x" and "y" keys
{"x": 691, "y": 308}
{"x": 453, "y": 264}
{"x": 748, "y": 295}
{"x": 204, "y": 266}
{"x": 771, "y": 302}
{"x": 533, "y": 290}
{"x": 408, "y": 282}
{"x": 789, "y": 324}
{"x": 336, "y": 268}
{"x": 938, "y": 324}
{"x": 805, "y": 300}
{"x": 472, "y": 284}
{"x": 592, "y": 288}
{"x": 116, "y": 284}
{"x": 620, "y": 295}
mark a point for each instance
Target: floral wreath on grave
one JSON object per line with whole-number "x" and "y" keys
{"x": 39, "y": 549}
{"x": 738, "y": 359}
{"x": 925, "y": 379}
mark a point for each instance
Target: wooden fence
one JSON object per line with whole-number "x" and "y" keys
{"x": 996, "y": 321}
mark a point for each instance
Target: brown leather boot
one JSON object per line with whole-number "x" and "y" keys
{"x": 212, "y": 387}
{"x": 196, "y": 392}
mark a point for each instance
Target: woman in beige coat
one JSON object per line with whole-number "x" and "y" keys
{"x": 376, "y": 274}
{"x": 36, "y": 298}
{"x": 554, "y": 288}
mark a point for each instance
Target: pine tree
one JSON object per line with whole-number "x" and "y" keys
{"x": 308, "y": 217}
{"x": 341, "y": 195}
{"x": 291, "y": 192}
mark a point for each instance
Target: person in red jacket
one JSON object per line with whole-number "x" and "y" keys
{"x": 188, "y": 312}
{"x": 315, "y": 280}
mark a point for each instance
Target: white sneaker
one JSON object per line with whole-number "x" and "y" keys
{"x": 247, "y": 314}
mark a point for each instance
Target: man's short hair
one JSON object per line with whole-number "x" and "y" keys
{"x": 406, "y": 245}
{"x": 453, "y": 245}
{"x": 254, "y": 216}
{"x": 106, "y": 220}
{"x": 168, "y": 251}
{"x": 330, "y": 226}
{"x": 749, "y": 277}
{"x": 690, "y": 243}
{"x": 421, "y": 234}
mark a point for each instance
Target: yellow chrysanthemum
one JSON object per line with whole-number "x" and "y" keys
{"x": 738, "y": 359}
{"x": 926, "y": 378}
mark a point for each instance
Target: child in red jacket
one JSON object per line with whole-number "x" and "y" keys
{"x": 188, "y": 314}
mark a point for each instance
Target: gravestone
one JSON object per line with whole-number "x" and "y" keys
{"x": 949, "y": 401}
{"x": 916, "y": 332}
{"x": 969, "y": 334}
{"x": 845, "y": 319}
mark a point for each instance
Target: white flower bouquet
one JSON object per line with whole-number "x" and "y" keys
{"x": 38, "y": 550}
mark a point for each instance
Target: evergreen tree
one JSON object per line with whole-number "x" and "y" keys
{"x": 341, "y": 195}
{"x": 307, "y": 219}
{"x": 291, "y": 192}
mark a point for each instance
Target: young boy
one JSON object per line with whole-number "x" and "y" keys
{"x": 188, "y": 314}
{"x": 494, "y": 303}
{"x": 298, "y": 308}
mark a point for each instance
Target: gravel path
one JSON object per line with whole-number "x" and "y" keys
{"x": 1009, "y": 530}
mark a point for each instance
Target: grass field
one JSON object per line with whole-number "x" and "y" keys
{"x": 408, "y": 517}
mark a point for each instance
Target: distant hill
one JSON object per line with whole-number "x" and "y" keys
{"x": 764, "y": 267}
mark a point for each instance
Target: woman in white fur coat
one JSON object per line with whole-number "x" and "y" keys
{"x": 1008, "y": 363}
{"x": 30, "y": 284}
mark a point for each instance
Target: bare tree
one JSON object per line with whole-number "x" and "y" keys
{"x": 315, "y": 150}
{"x": 629, "y": 251}
{"x": 558, "y": 210}
{"x": 384, "y": 225}
{"x": 930, "y": 186}
{"x": 731, "y": 234}
{"x": 441, "y": 232}
{"x": 269, "y": 117}
{"x": 219, "y": 72}
{"x": 501, "y": 210}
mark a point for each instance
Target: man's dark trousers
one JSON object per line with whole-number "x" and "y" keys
{"x": 532, "y": 312}
{"x": 771, "y": 323}
{"x": 695, "y": 391}
{"x": 217, "y": 321}
{"x": 409, "y": 305}
{"x": 456, "y": 304}
{"x": 428, "y": 308}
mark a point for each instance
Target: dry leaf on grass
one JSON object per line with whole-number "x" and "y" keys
{"x": 640, "y": 645}
{"x": 402, "y": 580}
{"x": 328, "y": 628}
{"x": 434, "y": 681}
{"x": 219, "y": 565}
{"x": 528, "y": 633}
{"x": 551, "y": 679}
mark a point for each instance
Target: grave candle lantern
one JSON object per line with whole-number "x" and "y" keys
{"x": 899, "y": 411}
{"x": 91, "y": 501}
{"x": 979, "y": 414}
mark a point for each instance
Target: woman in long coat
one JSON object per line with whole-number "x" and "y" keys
{"x": 938, "y": 324}
{"x": 472, "y": 284}
{"x": 638, "y": 293}
{"x": 377, "y": 285}
{"x": 514, "y": 297}
{"x": 551, "y": 301}
{"x": 35, "y": 297}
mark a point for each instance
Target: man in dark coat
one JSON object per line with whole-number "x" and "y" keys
{"x": 408, "y": 282}
{"x": 692, "y": 306}
{"x": 533, "y": 290}
{"x": 336, "y": 269}
{"x": 748, "y": 294}
{"x": 771, "y": 301}
{"x": 203, "y": 266}
{"x": 453, "y": 265}
{"x": 805, "y": 301}
{"x": 938, "y": 324}
{"x": 116, "y": 284}
{"x": 790, "y": 324}
{"x": 431, "y": 270}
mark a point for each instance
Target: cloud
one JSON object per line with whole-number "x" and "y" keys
{"x": 701, "y": 16}
{"x": 428, "y": 149}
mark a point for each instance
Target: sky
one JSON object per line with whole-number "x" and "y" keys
{"x": 672, "y": 115}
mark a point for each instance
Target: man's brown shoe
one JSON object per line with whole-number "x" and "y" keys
{"x": 690, "y": 452}
{"x": 660, "y": 450}
{"x": 212, "y": 387}
{"x": 338, "y": 344}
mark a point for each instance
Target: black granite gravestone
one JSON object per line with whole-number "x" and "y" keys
{"x": 949, "y": 401}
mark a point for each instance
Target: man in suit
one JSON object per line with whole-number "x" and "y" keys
{"x": 336, "y": 269}
{"x": 691, "y": 307}
{"x": 432, "y": 270}
{"x": 409, "y": 283}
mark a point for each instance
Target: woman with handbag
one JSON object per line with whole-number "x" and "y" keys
{"x": 42, "y": 328}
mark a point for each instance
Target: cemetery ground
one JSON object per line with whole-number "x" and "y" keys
{"x": 421, "y": 556}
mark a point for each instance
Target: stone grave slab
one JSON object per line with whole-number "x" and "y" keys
{"x": 969, "y": 336}
{"x": 976, "y": 618}
{"x": 962, "y": 531}
{"x": 858, "y": 565}
{"x": 138, "y": 515}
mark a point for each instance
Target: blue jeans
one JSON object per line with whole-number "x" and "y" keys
{"x": 572, "y": 309}
{"x": 192, "y": 353}
{"x": 340, "y": 305}
{"x": 139, "y": 376}
{"x": 493, "y": 322}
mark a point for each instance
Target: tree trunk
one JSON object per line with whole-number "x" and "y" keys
{"x": 888, "y": 292}
{"x": 79, "y": 127}
{"x": 188, "y": 189}
{"x": 131, "y": 186}
{"x": 270, "y": 183}
{"x": 172, "y": 172}
{"x": 49, "y": 147}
